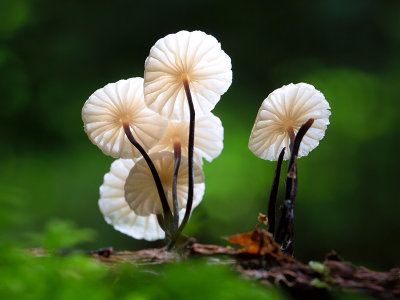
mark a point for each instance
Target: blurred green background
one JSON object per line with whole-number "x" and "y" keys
{"x": 55, "y": 54}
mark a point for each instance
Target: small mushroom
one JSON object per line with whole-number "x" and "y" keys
{"x": 116, "y": 210}
{"x": 281, "y": 115}
{"x": 140, "y": 190}
{"x": 194, "y": 57}
{"x": 116, "y": 104}
{"x": 208, "y": 142}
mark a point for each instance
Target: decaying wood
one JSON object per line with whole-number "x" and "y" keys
{"x": 261, "y": 258}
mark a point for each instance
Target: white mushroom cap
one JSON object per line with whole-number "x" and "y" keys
{"x": 193, "y": 54}
{"x": 141, "y": 192}
{"x": 208, "y": 138}
{"x": 116, "y": 210}
{"x": 107, "y": 108}
{"x": 289, "y": 106}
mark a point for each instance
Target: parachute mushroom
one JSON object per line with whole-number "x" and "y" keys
{"x": 109, "y": 108}
{"x": 116, "y": 210}
{"x": 281, "y": 115}
{"x": 117, "y": 120}
{"x": 208, "y": 142}
{"x": 192, "y": 58}
{"x": 141, "y": 193}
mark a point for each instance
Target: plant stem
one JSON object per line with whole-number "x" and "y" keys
{"x": 190, "y": 155}
{"x": 177, "y": 156}
{"x": 274, "y": 194}
{"x": 156, "y": 177}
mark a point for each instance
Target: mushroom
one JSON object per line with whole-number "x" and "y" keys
{"x": 116, "y": 210}
{"x": 192, "y": 57}
{"x": 116, "y": 104}
{"x": 190, "y": 64}
{"x": 141, "y": 193}
{"x": 281, "y": 115}
{"x": 208, "y": 142}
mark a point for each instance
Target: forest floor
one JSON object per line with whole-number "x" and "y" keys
{"x": 260, "y": 258}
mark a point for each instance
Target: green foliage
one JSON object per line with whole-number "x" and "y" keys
{"x": 14, "y": 14}
{"x": 34, "y": 274}
{"x": 319, "y": 284}
{"x": 353, "y": 97}
{"x": 349, "y": 296}
{"x": 319, "y": 268}
{"x": 190, "y": 280}
{"x": 11, "y": 201}
{"x": 63, "y": 234}
{"x": 24, "y": 276}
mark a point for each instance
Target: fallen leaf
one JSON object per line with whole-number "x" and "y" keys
{"x": 258, "y": 241}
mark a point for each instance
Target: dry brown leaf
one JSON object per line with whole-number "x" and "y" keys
{"x": 258, "y": 241}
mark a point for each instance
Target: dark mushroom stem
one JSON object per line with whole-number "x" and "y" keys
{"x": 291, "y": 183}
{"x": 177, "y": 162}
{"x": 285, "y": 233}
{"x": 190, "y": 155}
{"x": 160, "y": 220}
{"x": 166, "y": 222}
{"x": 274, "y": 194}
{"x": 291, "y": 134}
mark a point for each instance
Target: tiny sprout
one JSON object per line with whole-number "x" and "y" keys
{"x": 281, "y": 115}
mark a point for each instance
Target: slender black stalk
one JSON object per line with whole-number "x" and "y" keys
{"x": 285, "y": 233}
{"x": 285, "y": 236}
{"x": 156, "y": 177}
{"x": 274, "y": 193}
{"x": 177, "y": 162}
{"x": 160, "y": 220}
{"x": 291, "y": 181}
{"x": 190, "y": 156}
{"x": 291, "y": 134}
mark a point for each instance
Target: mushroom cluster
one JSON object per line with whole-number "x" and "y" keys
{"x": 160, "y": 128}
